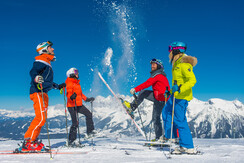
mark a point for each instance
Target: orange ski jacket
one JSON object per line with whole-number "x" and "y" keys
{"x": 73, "y": 86}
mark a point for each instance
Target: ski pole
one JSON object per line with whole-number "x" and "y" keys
{"x": 65, "y": 110}
{"x": 77, "y": 118}
{"x": 150, "y": 131}
{"x": 45, "y": 112}
{"x": 165, "y": 101}
{"x": 134, "y": 95}
{"x": 166, "y": 95}
{"x": 92, "y": 115}
{"x": 171, "y": 133}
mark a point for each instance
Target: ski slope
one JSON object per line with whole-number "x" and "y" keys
{"x": 109, "y": 149}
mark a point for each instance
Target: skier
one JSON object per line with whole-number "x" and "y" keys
{"x": 74, "y": 103}
{"x": 184, "y": 79}
{"x": 41, "y": 74}
{"x": 159, "y": 83}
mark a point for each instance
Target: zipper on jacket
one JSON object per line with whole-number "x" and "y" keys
{"x": 48, "y": 73}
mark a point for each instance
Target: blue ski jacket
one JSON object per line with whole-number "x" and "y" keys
{"x": 42, "y": 67}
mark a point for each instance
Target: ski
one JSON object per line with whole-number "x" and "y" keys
{"x": 195, "y": 153}
{"x": 35, "y": 152}
{"x": 74, "y": 146}
{"x": 137, "y": 126}
{"x": 147, "y": 143}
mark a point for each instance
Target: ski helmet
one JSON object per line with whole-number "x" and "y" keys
{"x": 42, "y": 47}
{"x": 158, "y": 62}
{"x": 178, "y": 45}
{"x": 72, "y": 72}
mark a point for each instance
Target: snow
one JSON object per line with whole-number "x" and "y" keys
{"x": 111, "y": 150}
{"x": 107, "y": 60}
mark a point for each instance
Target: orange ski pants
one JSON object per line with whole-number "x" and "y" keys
{"x": 40, "y": 118}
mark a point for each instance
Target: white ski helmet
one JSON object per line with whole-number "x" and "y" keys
{"x": 72, "y": 72}
{"x": 42, "y": 47}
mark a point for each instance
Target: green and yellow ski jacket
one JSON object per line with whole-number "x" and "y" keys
{"x": 183, "y": 73}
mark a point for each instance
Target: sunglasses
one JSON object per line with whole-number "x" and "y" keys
{"x": 178, "y": 47}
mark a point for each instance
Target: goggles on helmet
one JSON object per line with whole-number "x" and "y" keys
{"x": 178, "y": 47}
{"x": 153, "y": 60}
{"x": 76, "y": 72}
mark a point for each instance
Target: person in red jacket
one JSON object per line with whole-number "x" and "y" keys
{"x": 159, "y": 84}
{"x": 74, "y": 103}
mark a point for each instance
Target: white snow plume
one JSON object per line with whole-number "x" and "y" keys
{"x": 107, "y": 61}
{"x": 122, "y": 28}
{"x": 120, "y": 19}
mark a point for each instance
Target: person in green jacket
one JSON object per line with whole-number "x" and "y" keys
{"x": 183, "y": 81}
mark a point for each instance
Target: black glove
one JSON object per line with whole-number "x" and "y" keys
{"x": 91, "y": 99}
{"x": 73, "y": 96}
{"x": 60, "y": 86}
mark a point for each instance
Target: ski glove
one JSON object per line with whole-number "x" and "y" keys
{"x": 73, "y": 96}
{"x": 167, "y": 92}
{"x": 175, "y": 88}
{"x": 60, "y": 86}
{"x": 39, "y": 79}
{"x": 132, "y": 91}
{"x": 91, "y": 99}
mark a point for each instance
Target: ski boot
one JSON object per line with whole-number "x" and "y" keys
{"x": 163, "y": 139}
{"x": 29, "y": 146}
{"x": 128, "y": 108}
{"x": 90, "y": 135}
{"x": 74, "y": 144}
{"x": 183, "y": 150}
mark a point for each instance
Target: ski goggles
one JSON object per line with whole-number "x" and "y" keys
{"x": 178, "y": 47}
{"x": 50, "y": 43}
{"x": 76, "y": 72}
{"x": 154, "y": 60}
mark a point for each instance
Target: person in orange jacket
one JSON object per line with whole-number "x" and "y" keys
{"x": 41, "y": 74}
{"x": 74, "y": 103}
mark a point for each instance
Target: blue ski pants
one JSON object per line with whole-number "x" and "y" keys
{"x": 180, "y": 122}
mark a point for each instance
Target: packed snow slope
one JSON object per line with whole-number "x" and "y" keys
{"x": 112, "y": 150}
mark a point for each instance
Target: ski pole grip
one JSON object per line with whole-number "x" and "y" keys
{"x": 61, "y": 91}
{"x": 175, "y": 82}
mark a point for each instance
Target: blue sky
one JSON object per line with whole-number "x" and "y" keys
{"x": 83, "y": 30}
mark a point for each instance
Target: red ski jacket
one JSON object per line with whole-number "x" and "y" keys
{"x": 158, "y": 82}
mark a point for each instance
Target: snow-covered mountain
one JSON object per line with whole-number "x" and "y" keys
{"x": 212, "y": 119}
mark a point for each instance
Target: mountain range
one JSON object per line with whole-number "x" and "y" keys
{"x": 215, "y": 118}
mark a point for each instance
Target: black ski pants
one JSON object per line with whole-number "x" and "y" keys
{"x": 89, "y": 122}
{"x": 157, "y": 109}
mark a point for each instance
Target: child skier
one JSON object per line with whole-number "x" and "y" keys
{"x": 159, "y": 84}
{"x": 74, "y": 103}
{"x": 41, "y": 78}
{"x": 183, "y": 80}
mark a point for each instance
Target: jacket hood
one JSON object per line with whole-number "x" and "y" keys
{"x": 184, "y": 58}
{"x": 189, "y": 59}
{"x": 158, "y": 71}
